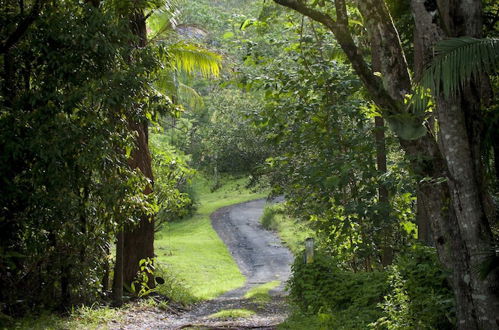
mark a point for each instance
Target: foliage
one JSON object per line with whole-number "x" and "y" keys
{"x": 66, "y": 184}
{"x": 348, "y": 299}
{"x": 221, "y": 139}
{"x": 321, "y": 131}
{"x": 419, "y": 297}
{"x": 458, "y": 60}
{"x": 171, "y": 186}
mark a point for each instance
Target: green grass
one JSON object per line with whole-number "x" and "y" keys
{"x": 298, "y": 321}
{"x": 292, "y": 233}
{"x": 80, "y": 318}
{"x": 232, "y": 314}
{"x": 260, "y": 294}
{"x": 192, "y": 250}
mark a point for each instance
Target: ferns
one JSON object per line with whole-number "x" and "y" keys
{"x": 457, "y": 61}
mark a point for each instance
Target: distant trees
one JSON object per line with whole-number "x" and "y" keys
{"x": 452, "y": 188}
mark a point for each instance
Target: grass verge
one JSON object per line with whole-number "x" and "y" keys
{"x": 85, "y": 317}
{"x": 192, "y": 250}
{"x": 232, "y": 314}
{"x": 292, "y": 233}
{"x": 260, "y": 294}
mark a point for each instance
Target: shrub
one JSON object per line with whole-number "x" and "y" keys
{"x": 420, "y": 297}
{"x": 342, "y": 299}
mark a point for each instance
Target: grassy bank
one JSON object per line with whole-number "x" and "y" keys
{"x": 292, "y": 233}
{"x": 191, "y": 252}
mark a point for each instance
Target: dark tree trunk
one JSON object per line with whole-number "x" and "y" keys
{"x": 425, "y": 235}
{"x": 138, "y": 240}
{"x": 118, "y": 272}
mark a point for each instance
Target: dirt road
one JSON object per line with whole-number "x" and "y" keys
{"x": 260, "y": 257}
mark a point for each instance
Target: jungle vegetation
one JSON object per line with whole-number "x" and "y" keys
{"x": 377, "y": 120}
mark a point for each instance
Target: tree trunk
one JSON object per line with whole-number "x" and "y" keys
{"x": 139, "y": 239}
{"x": 118, "y": 272}
{"x": 425, "y": 235}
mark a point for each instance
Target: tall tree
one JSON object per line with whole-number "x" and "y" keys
{"x": 451, "y": 188}
{"x": 138, "y": 240}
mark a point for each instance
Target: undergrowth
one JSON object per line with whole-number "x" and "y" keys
{"x": 411, "y": 294}
{"x": 292, "y": 233}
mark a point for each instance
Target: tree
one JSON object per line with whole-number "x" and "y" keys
{"x": 62, "y": 161}
{"x": 451, "y": 186}
{"x": 138, "y": 239}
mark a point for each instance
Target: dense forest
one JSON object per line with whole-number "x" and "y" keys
{"x": 376, "y": 120}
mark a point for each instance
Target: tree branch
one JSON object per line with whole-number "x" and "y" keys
{"x": 22, "y": 27}
{"x": 340, "y": 30}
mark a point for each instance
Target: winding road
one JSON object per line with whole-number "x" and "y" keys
{"x": 260, "y": 257}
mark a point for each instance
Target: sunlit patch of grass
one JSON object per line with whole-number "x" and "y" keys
{"x": 260, "y": 294}
{"x": 232, "y": 314}
{"x": 191, "y": 248}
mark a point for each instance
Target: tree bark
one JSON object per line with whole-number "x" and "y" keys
{"x": 118, "y": 272}
{"x": 139, "y": 239}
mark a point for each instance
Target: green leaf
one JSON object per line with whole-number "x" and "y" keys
{"x": 457, "y": 61}
{"x": 228, "y": 35}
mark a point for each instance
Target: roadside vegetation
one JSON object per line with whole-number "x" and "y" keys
{"x": 125, "y": 124}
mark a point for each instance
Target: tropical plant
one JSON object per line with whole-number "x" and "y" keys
{"x": 457, "y": 61}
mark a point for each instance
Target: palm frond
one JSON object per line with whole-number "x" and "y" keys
{"x": 191, "y": 58}
{"x": 457, "y": 61}
{"x": 189, "y": 96}
{"x": 164, "y": 19}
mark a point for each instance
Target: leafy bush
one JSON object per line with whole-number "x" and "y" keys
{"x": 342, "y": 299}
{"x": 268, "y": 217}
{"x": 172, "y": 181}
{"x": 420, "y": 297}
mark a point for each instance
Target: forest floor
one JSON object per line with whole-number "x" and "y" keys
{"x": 259, "y": 304}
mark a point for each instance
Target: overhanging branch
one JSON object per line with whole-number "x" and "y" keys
{"x": 340, "y": 30}
{"x": 22, "y": 27}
